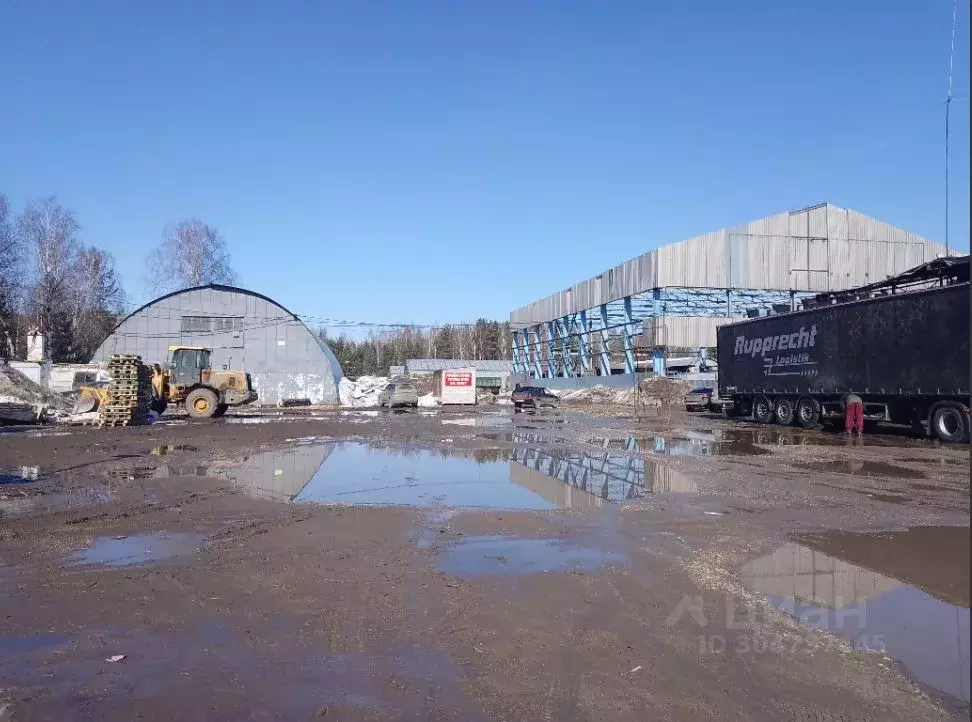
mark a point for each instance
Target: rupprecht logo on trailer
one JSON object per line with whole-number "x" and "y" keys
{"x": 793, "y": 364}
{"x": 792, "y": 341}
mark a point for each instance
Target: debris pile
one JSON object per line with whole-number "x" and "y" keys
{"x": 363, "y": 392}
{"x": 485, "y": 396}
{"x": 597, "y": 395}
{"x": 17, "y": 388}
{"x": 662, "y": 390}
{"x": 23, "y": 401}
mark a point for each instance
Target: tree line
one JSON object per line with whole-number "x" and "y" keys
{"x": 52, "y": 281}
{"x": 373, "y": 355}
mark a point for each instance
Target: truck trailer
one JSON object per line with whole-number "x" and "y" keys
{"x": 901, "y": 345}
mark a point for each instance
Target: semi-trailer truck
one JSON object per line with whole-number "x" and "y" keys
{"x": 901, "y": 345}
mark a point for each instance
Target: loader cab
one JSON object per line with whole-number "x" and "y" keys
{"x": 186, "y": 364}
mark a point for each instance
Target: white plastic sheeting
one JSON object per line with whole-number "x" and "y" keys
{"x": 361, "y": 393}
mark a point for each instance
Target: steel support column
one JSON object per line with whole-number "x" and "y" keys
{"x": 515, "y": 336}
{"x": 567, "y": 362}
{"x": 658, "y": 361}
{"x": 552, "y": 369}
{"x": 585, "y": 339}
{"x": 629, "y": 355}
{"x": 605, "y": 353}
{"x": 537, "y": 368}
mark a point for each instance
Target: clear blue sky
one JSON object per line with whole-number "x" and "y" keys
{"x": 393, "y": 161}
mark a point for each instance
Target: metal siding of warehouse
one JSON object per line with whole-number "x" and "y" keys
{"x": 846, "y": 249}
{"x": 683, "y": 331}
{"x": 299, "y": 367}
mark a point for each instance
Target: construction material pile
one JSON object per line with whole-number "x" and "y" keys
{"x": 362, "y": 393}
{"x": 597, "y": 395}
{"x": 15, "y": 388}
{"x": 663, "y": 391}
{"x": 129, "y": 392}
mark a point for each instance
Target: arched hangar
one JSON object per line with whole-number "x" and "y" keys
{"x": 245, "y": 330}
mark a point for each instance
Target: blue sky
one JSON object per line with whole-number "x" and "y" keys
{"x": 397, "y": 161}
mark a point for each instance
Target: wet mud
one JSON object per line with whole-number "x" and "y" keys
{"x": 481, "y": 565}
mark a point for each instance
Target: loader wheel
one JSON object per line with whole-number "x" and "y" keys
{"x": 784, "y": 412}
{"x": 220, "y": 410}
{"x": 762, "y": 410}
{"x": 201, "y": 403}
{"x": 807, "y": 412}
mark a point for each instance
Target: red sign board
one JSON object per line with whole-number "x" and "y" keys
{"x": 457, "y": 378}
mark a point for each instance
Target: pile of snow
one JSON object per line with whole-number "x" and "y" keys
{"x": 428, "y": 400}
{"x": 361, "y": 393}
{"x": 596, "y": 395}
{"x": 15, "y": 388}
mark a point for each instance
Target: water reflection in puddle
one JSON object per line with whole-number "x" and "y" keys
{"x": 22, "y": 475}
{"x": 11, "y": 646}
{"x": 504, "y": 555}
{"x": 859, "y": 467}
{"x": 692, "y": 444}
{"x": 745, "y": 442}
{"x": 366, "y": 474}
{"x": 915, "y": 608}
{"x": 522, "y": 478}
{"x": 123, "y": 551}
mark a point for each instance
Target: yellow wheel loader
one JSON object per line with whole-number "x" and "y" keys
{"x": 187, "y": 379}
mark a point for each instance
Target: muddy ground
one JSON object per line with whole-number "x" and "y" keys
{"x": 481, "y": 566}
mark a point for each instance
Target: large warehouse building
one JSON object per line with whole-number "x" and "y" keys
{"x": 672, "y": 299}
{"x": 244, "y": 329}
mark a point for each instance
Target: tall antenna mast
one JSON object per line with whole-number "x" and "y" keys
{"x": 948, "y": 106}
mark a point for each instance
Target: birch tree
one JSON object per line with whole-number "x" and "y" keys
{"x": 49, "y": 233}
{"x": 10, "y": 274}
{"x": 191, "y": 253}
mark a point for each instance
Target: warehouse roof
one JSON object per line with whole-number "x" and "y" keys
{"x": 440, "y": 364}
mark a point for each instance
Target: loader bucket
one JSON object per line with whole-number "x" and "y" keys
{"x": 88, "y": 401}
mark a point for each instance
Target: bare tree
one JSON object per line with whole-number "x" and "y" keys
{"x": 48, "y": 232}
{"x": 191, "y": 253}
{"x": 98, "y": 301}
{"x": 10, "y": 275}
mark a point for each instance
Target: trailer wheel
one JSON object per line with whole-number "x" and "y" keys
{"x": 784, "y": 411}
{"x": 950, "y": 423}
{"x": 807, "y": 412}
{"x": 762, "y": 410}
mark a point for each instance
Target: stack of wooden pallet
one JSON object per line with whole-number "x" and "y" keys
{"x": 129, "y": 392}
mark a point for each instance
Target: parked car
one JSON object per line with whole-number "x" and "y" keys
{"x": 398, "y": 394}
{"x": 698, "y": 399}
{"x": 703, "y": 399}
{"x": 534, "y": 397}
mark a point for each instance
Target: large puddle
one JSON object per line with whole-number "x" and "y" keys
{"x": 901, "y": 593}
{"x": 522, "y": 478}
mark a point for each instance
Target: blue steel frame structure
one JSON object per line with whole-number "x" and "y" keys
{"x": 581, "y": 344}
